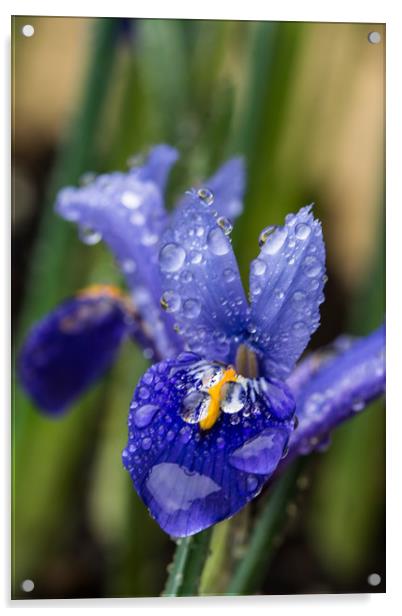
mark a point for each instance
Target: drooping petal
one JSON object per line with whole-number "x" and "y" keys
{"x": 201, "y": 281}
{"x": 127, "y": 211}
{"x": 339, "y": 389}
{"x": 286, "y": 285}
{"x": 72, "y": 347}
{"x": 189, "y": 474}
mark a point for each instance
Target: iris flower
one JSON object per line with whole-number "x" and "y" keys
{"x": 225, "y": 404}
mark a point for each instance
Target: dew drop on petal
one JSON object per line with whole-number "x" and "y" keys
{"x": 252, "y": 483}
{"x": 206, "y": 196}
{"x": 194, "y": 407}
{"x": 146, "y": 443}
{"x": 218, "y": 243}
{"x": 170, "y": 301}
{"x": 225, "y": 225}
{"x": 233, "y": 398}
{"x": 258, "y": 267}
{"x": 302, "y": 231}
{"x": 89, "y": 236}
{"x": 191, "y": 308}
{"x": 171, "y": 257}
{"x": 275, "y": 241}
{"x": 144, "y": 415}
{"x": 130, "y": 200}
{"x": 228, "y": 274}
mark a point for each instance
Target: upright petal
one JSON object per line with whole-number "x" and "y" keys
{"x": 201, "y": 281}
{"x": 71, "y": 347}
{"x": 286, "y": 289}
{"x": 127, "y": 211}
{"x": 338, "y": 390}
{"x": 192, "y": 475}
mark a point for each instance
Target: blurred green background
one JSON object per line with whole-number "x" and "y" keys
{"x": 304, "y": 103}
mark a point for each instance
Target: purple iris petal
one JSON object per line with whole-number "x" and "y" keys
{"x": 286, "y": 285}
{"x": 70, "y": 348}
{"x": 201, "y": 281}
{"x": 189, "y": 477}
{"x": 127, "y": 211}
{"x": 340, "y": 388}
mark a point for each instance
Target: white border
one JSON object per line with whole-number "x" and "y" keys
{"x": 306, "y": 10}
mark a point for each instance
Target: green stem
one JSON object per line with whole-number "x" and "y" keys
{"x": 252, "y": 568}
{"x": 186, "y": 568}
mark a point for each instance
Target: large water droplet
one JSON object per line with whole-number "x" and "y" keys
{"x": 225, "y": 225}
{"x": 144, "y": 415}
{"x": 89, "y": 236}
{"x": 130, "y": 200}
{"x": 302, "y": 231}
{"x": 218, "y": 243}
{"x": 275, "y": 241}
{"x": 175, "y": 488}
{"x": 194, "y": 407}
{"x": 206, "y": 196}
{"x": 233, "y": 398}
{"x": 172, "y": 257}
{"x": 191, "y": 308}
{"x": 260, "y": 454}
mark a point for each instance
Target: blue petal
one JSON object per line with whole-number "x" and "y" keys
{"x": 341, "y": 387}
{"x": 201, "y": 281}
{"x": 71, "y": 348}
{"x": 228, "y": 186}
{"x": 127, "y": 211}
{"x": 188, "y": 477}
{"x": 286, "y": 289}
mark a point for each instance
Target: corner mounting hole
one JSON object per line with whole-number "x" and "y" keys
{"x": 27, "y": 586}
{"x": 374, "y": 38}
{"x": 28, "y": 30}
{"x": 374, "y": 579}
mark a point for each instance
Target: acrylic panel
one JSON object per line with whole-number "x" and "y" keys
{"x": 198, "y": 307}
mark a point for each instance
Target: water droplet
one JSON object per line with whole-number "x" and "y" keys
{"x": 186, "y": 276}
{"x": 144, "y": 415}
{"x": 199, "y": 231}
{"x": 312, "y": 267}
{"x": 146, "y": 443}
{"x": 217, "y": 242}
{"x": 275, "y": 241}
{"x": 130, "y": 200}
{"x": 228, "y": 274}
{"x": 137, "y": 219}
{"x": 192, "y": 308}
{"x": 233, "y": 397}
{"x": 225, "y": 225}
{"x": 89, "y": 236}
{"x": 143, "y": 393}
{"x": 206, "y": 196}
{"x": 128, "y": 266}
{"x": 258, "y": 267}
{"x": 195, "y": 407}
{"x": 172, "y": 257}
{"x": 298, "y": 296}
{"x": 170, "y": 301}
{"x": 252, "y": 483}
{"x": 357, "y": 406}
{"x": 264, "y": 235}
{"x": 261, "y": 453}
{"x": 302, "y": 231}
{"x": 196, "y": 257}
